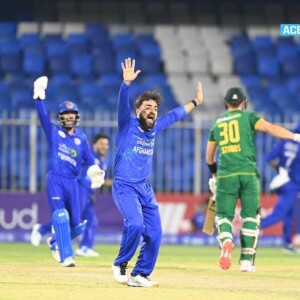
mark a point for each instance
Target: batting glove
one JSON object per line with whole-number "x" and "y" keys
{"x": 96, "y": 175}
{"x": 39, "y": 88}
{"x": 213, "y": 184}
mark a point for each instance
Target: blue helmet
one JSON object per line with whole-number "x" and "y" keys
{"x": 67, "y": 107}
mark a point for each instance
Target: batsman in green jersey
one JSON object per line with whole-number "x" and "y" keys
{"x": 236, "y": 176}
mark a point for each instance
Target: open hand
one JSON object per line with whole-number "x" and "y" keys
{"x": 128, "y": 70}
{"x": 199, "y": 93}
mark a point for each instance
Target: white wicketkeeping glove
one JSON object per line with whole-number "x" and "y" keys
{"x": 296, "y": 137}
{"x": 96, "y": 175}
{"x": 280, "y": 179}
{"x": 212, "y": 182}
{"x": 39, "y": 88}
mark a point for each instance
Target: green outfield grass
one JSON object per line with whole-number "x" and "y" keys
{"x": 183, "y": 272}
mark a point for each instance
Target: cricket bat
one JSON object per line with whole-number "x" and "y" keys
{"x": 208, "y": 226}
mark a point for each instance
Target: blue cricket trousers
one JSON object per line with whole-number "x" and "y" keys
{"x": 137, "y": 204}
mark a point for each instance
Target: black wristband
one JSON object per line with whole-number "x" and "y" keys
{"x": 194, "y": 102}
{"x": 213, "y": 168}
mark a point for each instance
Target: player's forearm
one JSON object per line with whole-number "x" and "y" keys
{"x": 190, "y": 106}
{"x": 123, "y": 103}
{"x": 43, "y": 116}
{"x": 280, "y": 132}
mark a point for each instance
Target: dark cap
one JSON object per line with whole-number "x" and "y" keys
{"x": 235, "y": 94}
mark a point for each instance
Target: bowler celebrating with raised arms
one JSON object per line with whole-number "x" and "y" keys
{"x": 132, "y": 193}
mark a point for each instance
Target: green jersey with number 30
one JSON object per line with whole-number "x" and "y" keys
{"x": 234, "y": 134}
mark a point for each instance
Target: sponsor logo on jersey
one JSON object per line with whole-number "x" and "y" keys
{"x": 229, "y": 118}
{"x": 61, "y": 133}
{"x": 73, "y": 153}
{"x": 141, "y": 150}
{"x": 77, "y": 141}
{"x": 67, "y": 158}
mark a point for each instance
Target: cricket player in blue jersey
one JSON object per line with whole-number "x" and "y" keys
{"x": 285, "y": 157}
{"x": 86, "y": 195}
{"x": 68, "y": 149}
{"x": 131, "y": 191}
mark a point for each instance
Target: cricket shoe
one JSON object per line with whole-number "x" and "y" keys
{"x": 68, "y": 262}
{"x": 290, "y": 249}
{"x": 141, "y": 281}
{"x": 120, "y": 273}
{"x": 35, "y": 237}
{"x": 54, "y": 250}
{"x": 86, "y": 252}
{"x": 246, "y": 266}
{"x": 225, "y": 257}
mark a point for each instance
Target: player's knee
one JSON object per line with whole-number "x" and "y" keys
{"x": 136, "y": 226}
{"x": 60, "y": 216}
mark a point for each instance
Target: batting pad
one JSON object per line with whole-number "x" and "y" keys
{"x": 61, "y": 224}
{"x": 78, "y": 230}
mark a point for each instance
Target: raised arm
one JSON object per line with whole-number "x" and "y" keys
{"x": 39, "y": 95}
{"x": 197, "y": 101}
{"x": 180, "y": 112}
{"x": 129, "y": 75}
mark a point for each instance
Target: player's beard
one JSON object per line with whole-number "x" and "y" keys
{"x": 143, "y": 122}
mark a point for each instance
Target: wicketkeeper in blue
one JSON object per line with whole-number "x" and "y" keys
{"x": 131, "y": 191}
{"x": 68, "y": 148}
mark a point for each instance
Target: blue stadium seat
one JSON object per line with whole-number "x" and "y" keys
{"x": 56, "y": 48}
{"x": 287, "y": 51}
{"x": 155, "y": 80}
{"x": 278, "y": 92}
{"x": 67, "y": 93}
{"x": 264, "y": 45}
{"x": 34, "y": 64}
{"x": 142, "y": 39}
{"x": 124, "y": 42}
{"x": 285, "y": 40}
{"x": 268, "y": 65}
{"x": 149, "y": 64}
{"x": 59, "y": 64}
{"x": 291, "y": 66}
{"x": 251, "y": 81}
{"x": 96, "y": 30}
{"x": 241, "y": 46}
{"x": 4, "y": 96}
{"x": 21, "y": 99}
{"x": 103, "y": 64}
{"x": 110, "y": 80}
{"x": 52, "y": 37}
{"x": 61, "y": 79}
{"x": 77, "y": 44}
{"x": 10, "y": 57}
{"x": 29, "y": 38}
{"x": 294, "y": 84}
{"x": 33, "y": 48}
{"x": 7, "y": 31}
{"x": 81, "y": 64}
{"x": 102, "y": 50}
{"x": 245, "y": 65}
{"x": 91, "y": 96}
